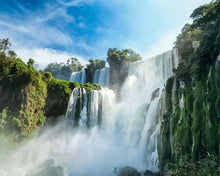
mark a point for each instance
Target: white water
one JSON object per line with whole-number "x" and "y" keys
{"x": 102, "y": 77}
{"x": 79, "y": 77}
{"x": 127, "y": 134}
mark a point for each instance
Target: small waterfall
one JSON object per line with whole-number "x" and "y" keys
{"x": 79, "y": 77}
{"x": 88, "y": 108}
{"x": 101, "y": 77}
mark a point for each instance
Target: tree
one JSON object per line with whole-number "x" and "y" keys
{"x": 119, "y": 61}
{"x": 74, "y": 64}
{"x": 4, "y": 44}
{"x": 205, "y": 29}
{"x": 30, "y": 63}
{"x": 54, "y": 69}
{"x": 64, "y": 70}
{"x": 92, "y": 67}
{"x": 185, "y": 39}
{"x": 118, "y": 58}
{"x": 205, "y": 14}
{"x": 12, "y": 54}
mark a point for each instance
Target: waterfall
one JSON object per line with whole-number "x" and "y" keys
{"x": 79, "y": 77}
{"x": 86, "y": 109}
{"x": 128, "y": 131}
{"x": 102, "y": 131}
{"x": 101, "y": 77}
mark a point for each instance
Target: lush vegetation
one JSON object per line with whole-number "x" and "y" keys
{"x": 119, "y": 61}
{"x": 58, "y": 95}
{"x": 119, "y": 58}
{"x": 205, "y": 30}
{"x": 28, "y": 96}
{"x": 23, "y": 93}
{"x": 190, "y": 129}
{"x": 63, "y": 71}
{"x": 92, "y": 67}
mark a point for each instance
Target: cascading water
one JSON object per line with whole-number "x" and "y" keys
{"x": 101, "y": 77}
{"x": 107, "y": 133}
{"x": 79, "y": 77}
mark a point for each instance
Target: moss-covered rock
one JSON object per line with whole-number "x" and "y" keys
{"x": 58, "y": 95}
{"x": 89, "y": 86}
{"x": 22, "y": 93}
{"x": 128, "y": 171}
{"x": 192, "y": 128}
{"x": 28, "y": 96}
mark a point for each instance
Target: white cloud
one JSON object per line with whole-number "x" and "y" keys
{"x": 39, "y": 32}
{"x": 43, "y": 56}
{"x": 34, "y": 26}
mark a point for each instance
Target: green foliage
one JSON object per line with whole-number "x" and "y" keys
{"x": 4, "y": 45}
{"x": 194, "y": 126}
{"x": 195, "y": 62}
{"x": 119, "y": 61}
{"x": 205, "y": 14}
{"x": 3, "y": 120}
{"x": 27, "y": 96}
{"x": 204, "y": 167}
{"x": 23, "y": 93}
{"x": 168, "y": 93}
{"x": 59, "y": 92}
{"x": 74, "y": 64}
{"x": 12, "y": 54}
{"x": 89, "y": 86}
{"x": 164, "y": 148}
{"x": 30, "y": 63}
{"x": 63, "y": 71}
{"x": 118, "y": 58}
{"x": 92, "y": 67}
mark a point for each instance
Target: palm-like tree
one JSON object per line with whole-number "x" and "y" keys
{"x": 4, "y": 44}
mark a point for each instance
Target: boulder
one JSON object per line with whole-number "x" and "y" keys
{"x": 128, "y": 171}
{"x": 155, "y": 94}
{"x": 51, "y": 171}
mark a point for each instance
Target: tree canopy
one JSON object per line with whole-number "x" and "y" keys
{"x": 92, "y": 67}
{"x": 4, "y": 44}
{"x": 118, "y": 58}
{"x": 64, "y": 70}
{"x": 205, "y": 29}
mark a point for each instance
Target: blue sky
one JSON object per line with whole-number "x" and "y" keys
{"x": 53, "y": 30}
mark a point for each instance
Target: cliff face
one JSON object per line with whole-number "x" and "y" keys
{"x": 28, "y": 96}
{"x": 190, "y": 127}
{"x": 23, "y": 105}
{"x": 189, "y": 139}
{"x": 58, "y": 93}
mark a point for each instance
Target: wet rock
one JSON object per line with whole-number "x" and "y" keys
{"x": 155, "y": 94}
{"x": 150, "y": 173}
{"x": 51, "y": 171}
{"x": 128, "y": 171}
{"x": 47, "y": 168}
{"x": 217, "y": 63}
